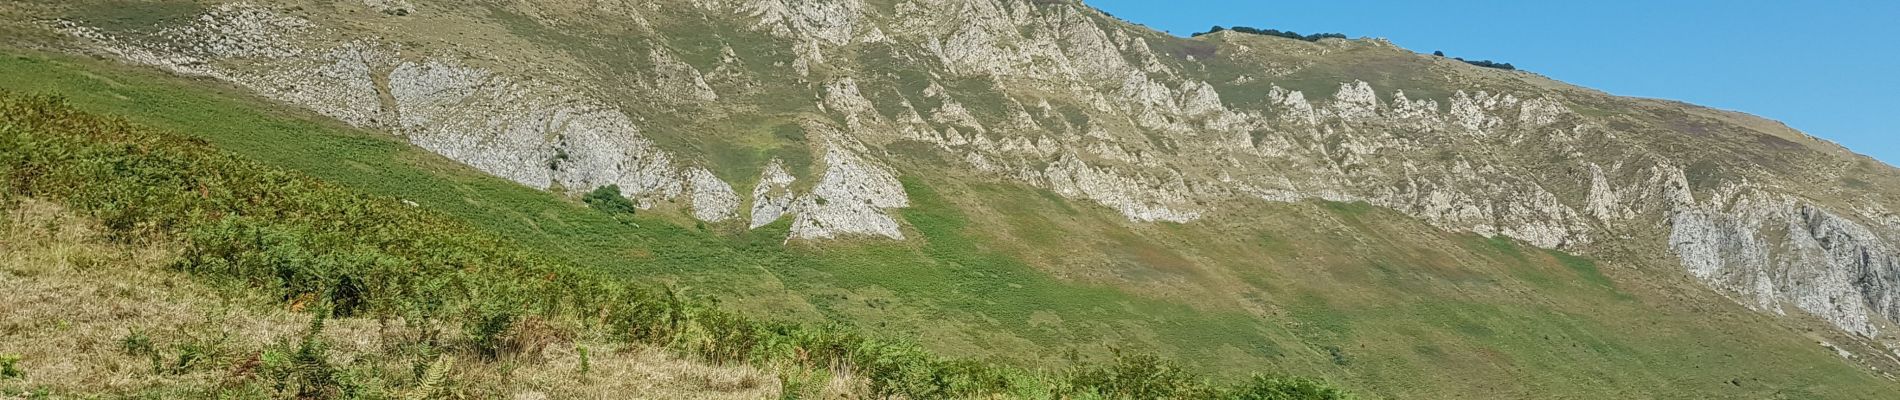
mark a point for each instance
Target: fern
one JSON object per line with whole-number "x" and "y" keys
{"x": 432, "y": 381}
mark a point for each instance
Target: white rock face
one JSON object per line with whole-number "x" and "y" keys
{"x": 529, "y": 131}
{"x": 1137, "y": 198}
{"x": 394, "y": 7}
{"x": 713, "y": 199}
{"x": 1293, "y": 105}
{"x": 1356, "y": 101}
{"x": 1474, "y": 112}
{"x": 773, "y": 196}
{"x": 842, "y": 96}
{"x": 852, "y": 198}
{"x": 1776, "y": 250}
{"x": 1605, "y": 202}
{"x": 834, "y": 22}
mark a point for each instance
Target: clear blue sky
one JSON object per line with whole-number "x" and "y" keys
{"x": 1830, "y": 68}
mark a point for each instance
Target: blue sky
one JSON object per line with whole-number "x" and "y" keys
{"x": 1830, "y": 68}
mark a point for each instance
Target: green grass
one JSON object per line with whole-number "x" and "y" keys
{"x": 1584, "y": 267}
{"x": 1346, "y": 291}
{"x": 136, "y": 16}
{"x": 1357, "y": 209}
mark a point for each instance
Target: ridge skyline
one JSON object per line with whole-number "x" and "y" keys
{"x": 1604, "y": 51}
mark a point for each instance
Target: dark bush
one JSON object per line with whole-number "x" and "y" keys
{"x": 1490, "y": 64}
{"x": 608, "y": 199}
{"x": 1275, "y": 32}
{"x": 1481, "y": 63}
{"x": 1138, "y": 376}
{"x": 1287, "y": 388}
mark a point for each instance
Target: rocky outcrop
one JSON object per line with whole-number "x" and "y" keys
{"x": 713, "y": 199}
{"x": 535, "y": 132}
{"x": 851, "y": 198}
{"x": 1778, "y": 251}
{"x": 773, "y": 197}
{"x": 391, "y": 7}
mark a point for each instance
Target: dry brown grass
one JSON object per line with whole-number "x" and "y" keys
{"x": 70, "y": 298}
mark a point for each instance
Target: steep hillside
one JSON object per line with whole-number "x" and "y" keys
{"x": 1034, "y": 181}
{"x": 396, "y": 301}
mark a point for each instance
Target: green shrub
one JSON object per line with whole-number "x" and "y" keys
{"x": 1275, "y": 33}
{"x": 136, "y": 343}
{"x": 608, "y": 199}
{"x": 1287, "y": 388}
{"x": 486, "y": 333}
{"x": 1480, "y": 63}
{"x": 1138, "y": 376}
{"x": 1489, "y": 64}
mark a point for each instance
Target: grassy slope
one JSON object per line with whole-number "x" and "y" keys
{"x": 1346, "y": 291}
{"x": 84, "y": 301}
